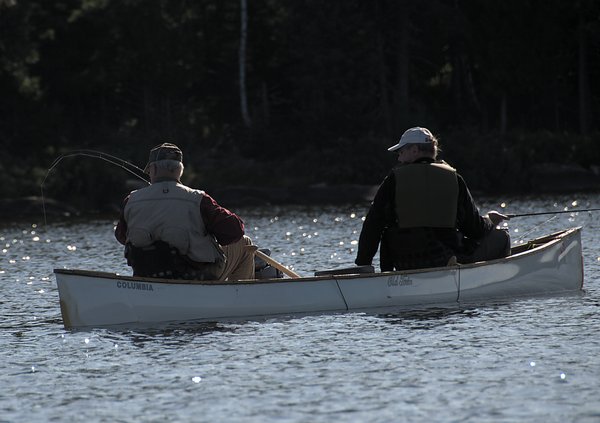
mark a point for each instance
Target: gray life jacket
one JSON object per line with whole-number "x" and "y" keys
{"x": 170, "y": 211}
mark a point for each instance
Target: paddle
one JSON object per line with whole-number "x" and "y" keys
{"x": 273, "y": 262}
{"x": 510, "y": 216}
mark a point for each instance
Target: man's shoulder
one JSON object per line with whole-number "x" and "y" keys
{"x": 443, "y": 165}
{"x": 194, "y": 191}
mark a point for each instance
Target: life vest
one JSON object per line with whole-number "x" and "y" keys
{"x": 426, "y": 195}
{"x": 169, "y": 211}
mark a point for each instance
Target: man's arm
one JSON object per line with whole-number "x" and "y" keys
{"x": 470, "y": 222}
{"x": 376, "y": 221}
{"x": 121, "y": 228}
{"x": 223, "y": 224}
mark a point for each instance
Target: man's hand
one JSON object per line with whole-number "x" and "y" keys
{"x": 496, "y": 217}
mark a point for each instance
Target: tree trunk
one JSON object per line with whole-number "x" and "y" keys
{"x": 402, "y": 97}
{"x": 242, "y": 60}
{"x": 503, "y": 114}
{"x": 583, "y": 78}
{"x": 382, "y": 76}
{"x": 265, "y": 104}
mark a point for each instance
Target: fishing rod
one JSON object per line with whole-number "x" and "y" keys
{"x": 510, "y": 216}
{"x": 123, "y": 164}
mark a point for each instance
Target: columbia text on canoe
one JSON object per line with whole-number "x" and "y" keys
{"x": 135, "y": 285}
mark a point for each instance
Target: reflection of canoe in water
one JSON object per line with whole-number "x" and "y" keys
{"x": 547, "y": 265}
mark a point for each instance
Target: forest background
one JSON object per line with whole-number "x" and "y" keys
{"x": 294, "y": 93}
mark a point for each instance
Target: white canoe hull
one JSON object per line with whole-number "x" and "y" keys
{"x": 94, "y": 299}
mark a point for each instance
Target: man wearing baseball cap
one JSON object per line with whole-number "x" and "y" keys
{"x": 173, "y": 231}
{"x": 423, "y": 214}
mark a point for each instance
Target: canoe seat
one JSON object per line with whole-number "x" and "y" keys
{"x": 346, "y": 270}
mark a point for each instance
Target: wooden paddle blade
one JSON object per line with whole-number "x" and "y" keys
{"x": 276, "y": 264}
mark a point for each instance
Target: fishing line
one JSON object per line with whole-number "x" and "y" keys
{"x": 535, "y": 228}
{"x": 125, "y": 165}
{"x": 573, "y": 213}
{"x": 510, "y": 216}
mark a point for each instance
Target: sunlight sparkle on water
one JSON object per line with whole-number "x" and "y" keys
{"x": 532, "y": 363}
{"x": 71, "y": 247}
{"x": 196, "y": 379}
{"x": 563, "y": 376}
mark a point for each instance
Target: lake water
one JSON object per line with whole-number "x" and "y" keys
{"x": 529, "y": 360}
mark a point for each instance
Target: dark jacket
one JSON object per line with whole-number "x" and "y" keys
{"x": 470, "y": 227}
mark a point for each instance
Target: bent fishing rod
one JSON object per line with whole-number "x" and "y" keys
{"x": 510, "y": 216}
{"x": 123, "y": 164}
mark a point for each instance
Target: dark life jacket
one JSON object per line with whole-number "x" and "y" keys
{"x": 426, "y": 200}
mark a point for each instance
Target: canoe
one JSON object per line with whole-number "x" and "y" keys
{"x": 551, "y": 264}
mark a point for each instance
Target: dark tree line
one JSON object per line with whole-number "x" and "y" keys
{"x": 313, "y": 89}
